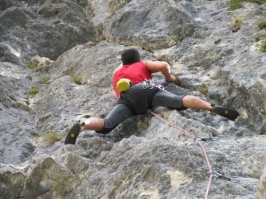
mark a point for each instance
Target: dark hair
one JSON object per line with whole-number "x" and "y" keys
{"x": 130, "y": 56}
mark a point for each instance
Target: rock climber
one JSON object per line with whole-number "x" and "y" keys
{"x": 132, "y": 83}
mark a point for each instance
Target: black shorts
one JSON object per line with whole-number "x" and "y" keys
{"x": 139, "y": 100}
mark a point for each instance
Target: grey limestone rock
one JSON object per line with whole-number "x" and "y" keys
{"x": 144, "y": 157}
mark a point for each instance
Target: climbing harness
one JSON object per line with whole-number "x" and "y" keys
{"x": 211, "y": 172}
{"x": 124, "y": 84}
{"x": 149, "y": 84}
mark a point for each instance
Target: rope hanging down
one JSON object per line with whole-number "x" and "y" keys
{"x": 201, "y": 145}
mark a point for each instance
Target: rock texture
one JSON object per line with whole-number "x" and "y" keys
{"x": 44, "y": 28}
{"x": 143, "y": 157}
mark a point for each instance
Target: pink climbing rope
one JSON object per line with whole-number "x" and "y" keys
{"x": 201, "y": 145}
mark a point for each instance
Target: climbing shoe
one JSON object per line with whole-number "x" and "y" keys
{"x": 123, "y": 84}
{"x": 229, "y": 113}
{"x": 73, "y": 134}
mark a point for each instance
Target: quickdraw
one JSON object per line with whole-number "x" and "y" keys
{"x": 220, "y": 176}
{"x": 206, "y": 139}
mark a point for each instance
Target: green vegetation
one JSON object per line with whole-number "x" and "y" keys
{"x": 262, "y": 39}
{"x": 52, "y": 137}
{"x": 263, "y": 45}
{"x": 257, "y": 1}
{"x": 257, "y": 38}
{"x": 86, "y": 116}
{"x": 262, "y": 23}
{"x": 33, "y": 64}
{"x": 77, "y": 79}
{"x": 237, "y": 22}
{"x": 44, "y": 80}
{"x": 236, "y": 4}
{"x": 33, "y": 91}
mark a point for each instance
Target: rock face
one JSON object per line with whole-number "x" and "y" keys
{"x": 44, "y": 28}
{"x": 131, "y": 25}
{"x": 143, "y": 157}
